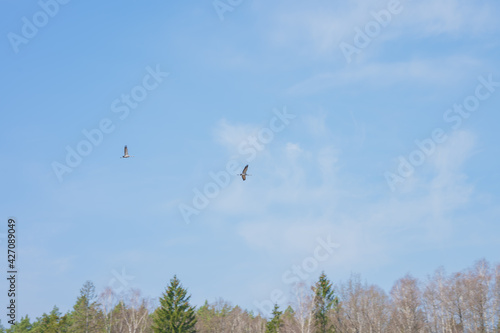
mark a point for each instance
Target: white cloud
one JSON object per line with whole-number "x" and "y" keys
{"x": 232, "y": 135}
{"x": 435, "y": 193}
{"x": 298, "y": 209}
{"x": 449, "y": 190}
{"x": 293, "y": 150}
{"x": 316, "y": 123}
{"x": 451, "y": 155}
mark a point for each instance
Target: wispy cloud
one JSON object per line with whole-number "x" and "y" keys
{"x": 336, "y": 206}
{"x": 231, "y": 135}
{"x": 319, "y": 29}
{"x": 437, "y": 71}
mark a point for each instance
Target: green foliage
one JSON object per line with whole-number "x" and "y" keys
{"x": 174, "y": 315}
{"x": 289, "y": 313}
{"x": 48, "y": 323}
{"x": 324, "y": 301}
{"x": 65, "y": 323}
{"x": 20, "y": 327}
{"x": 211, "y": 317}
{"x": 86, "y": 316}
{"x": 250, "y": 313}
{"x": 205, "y": 316}
{"x": 274, "y": 325}
{"x": 114, "y": 322}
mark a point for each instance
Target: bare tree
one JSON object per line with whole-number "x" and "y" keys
{"x": 350, "y": 316}
{"x": 304, "y": 308}
{"x": 443, "y": 302}
{"x": 377, "y": 309}
{"x": 479, "y": 297}
{"x": 108, "y": 302}
{"x": 222, "y": 317}
{"x": 457, "y": 291}
{"x": 462, "y": 302}
{"x": 363, "y": 308}
{"x": 239, "y": 321}
{"x": 407, "y": 315}
{"x": 496, "y": 298}
{"x": 135, "y": 312}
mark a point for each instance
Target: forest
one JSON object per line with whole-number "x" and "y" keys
{"x": 465, "y": 301}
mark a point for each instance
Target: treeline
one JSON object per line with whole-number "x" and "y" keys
{"x": 466, "y": 301}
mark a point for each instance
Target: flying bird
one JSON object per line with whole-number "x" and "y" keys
{"x": 125, "y": 153}
{"x": 244, "y": 174}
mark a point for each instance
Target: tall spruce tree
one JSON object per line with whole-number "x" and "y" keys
{"x": 275, "y": 324}
{"x": 324, "y": 301}
{"x": 174, "y": 315}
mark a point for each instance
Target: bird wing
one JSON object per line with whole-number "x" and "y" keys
{"x": 245, "y": 169}
{"x": 125, "y": 151}
{"x": 243, "y": 176}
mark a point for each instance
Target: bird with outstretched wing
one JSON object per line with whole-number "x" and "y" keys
{"x": 244, "y": 174}
{"x": 125, "y": 153}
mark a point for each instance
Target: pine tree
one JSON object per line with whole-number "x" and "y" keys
{"x": 86, "y": 316}
{"x": 275, "y": 324}
{"x": 324, "y": 301}
{"x": 20, "y": 327}
{"x": 65, "y": 324}
{"x": 48, "y": 323}
{"x": 174, "y": 315}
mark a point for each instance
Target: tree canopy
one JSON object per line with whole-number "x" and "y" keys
{"x": 175, "y": 314}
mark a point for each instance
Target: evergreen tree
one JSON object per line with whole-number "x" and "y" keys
{"x": 174, "y": 315}
{"x": 48, "y": 323}
{"x": 86, "y": 317}
{"x": 275, "y": 324}
{"x": 250, "y": 314}
{"x": 20, "y": 327}
{"x": 117, "y": 322}
{"x": 288, "y": 318}
{"x": 324, "y": 301}
{"x": 65, "y": 324}
{"x": 204, "y": 317}
{"x": 289, "y": 311}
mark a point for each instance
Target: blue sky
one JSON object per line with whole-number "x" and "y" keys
{"x": 343, "y": 162}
